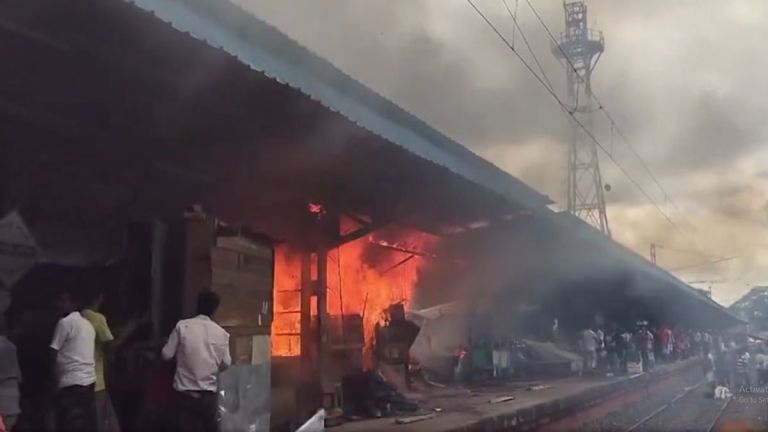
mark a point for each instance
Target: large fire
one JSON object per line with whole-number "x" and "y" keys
{"x": 364, "y": 276}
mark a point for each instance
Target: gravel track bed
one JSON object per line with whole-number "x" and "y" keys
{"x": 746, "y": 412}
{"x": 631, "y": 414}
{"x": 693, "y": 412}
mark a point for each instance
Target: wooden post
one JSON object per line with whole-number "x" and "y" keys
{"x": 159, "y": 236}
{"x": 5, "y": 178}
{"x": 306, "y": 313}
{"x": 322, "y": 310}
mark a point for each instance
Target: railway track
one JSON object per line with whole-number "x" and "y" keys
{"x": 647, "y": 419}
{"x": 743, "y": 412}
{"x": 691, "y": 410}
{"x": 713, "y": 426}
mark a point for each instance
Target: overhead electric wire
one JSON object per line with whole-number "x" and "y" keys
{"x": 717, "y": 261}
{"x": 527, "y": 45}
{"x": 570, "y": 112}
{"x": 517, "y": 7}
{"x": 614, "y": 125}
{"x": 697, "y": 253}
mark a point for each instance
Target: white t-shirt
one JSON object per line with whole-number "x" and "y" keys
{"x": 201, "y": 349}
{"x": 589, "y": 340}
{"x": 74, "y": 340}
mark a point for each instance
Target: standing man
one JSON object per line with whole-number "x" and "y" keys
{"x": 600, "y": 361}
{"x": 73, "y": 346}
{"x": 698, "y": 343}
{"x": 10, "y": 378}
{"x": 201, "y": 349}
{"x": 742, "y": 372}
{"x": 667, "y": 340}
{"x": 589, "y": 349}
{"x": 105, "y": 413}
{"x": 706, "y": 343}
{"x": 645, "y": 343}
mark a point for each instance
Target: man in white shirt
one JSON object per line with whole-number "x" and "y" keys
{"x": 589, "y": 349}
{"x": 201, "y": 348}
{"x": 73, "y": 345}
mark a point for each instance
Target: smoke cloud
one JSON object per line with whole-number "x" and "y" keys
{"x": 683, "y": 80}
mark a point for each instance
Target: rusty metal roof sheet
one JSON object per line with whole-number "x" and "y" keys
{"x": 262, "y": 47}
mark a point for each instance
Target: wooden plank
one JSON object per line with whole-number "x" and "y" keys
{"x": 250, "y": 281}
{"x": 244, "y": 309}
{"x": 414, "y": 419}
{"x": 224, "y": 259}
{"x": 197, "y": 262}
{"x": 245, "y": 246}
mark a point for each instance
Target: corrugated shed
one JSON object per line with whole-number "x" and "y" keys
{"x": 644, "y": 267}
{"x": 223, "y": 25}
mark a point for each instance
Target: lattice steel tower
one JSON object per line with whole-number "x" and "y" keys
{"x": 579, "y": 48}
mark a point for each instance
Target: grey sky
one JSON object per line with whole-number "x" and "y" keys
{"x": 685, "y": 80}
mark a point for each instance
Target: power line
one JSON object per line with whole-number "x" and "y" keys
{"x": 517, "y": 7}
{"x": 686, "y": 251}
{"x": 717, "y": 261}
{"x": 570, "y": 112}
{"x": 614, "y": 126}
{"x": 528, "y": 45}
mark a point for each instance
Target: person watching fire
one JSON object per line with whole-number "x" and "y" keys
{"x": 201, "y": 349}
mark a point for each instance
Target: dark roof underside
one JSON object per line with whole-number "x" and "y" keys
{"x": 264, "y": 48}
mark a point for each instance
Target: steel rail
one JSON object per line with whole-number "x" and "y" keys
{"x": 719, "y": 414}
{"x": 664, "y": 407}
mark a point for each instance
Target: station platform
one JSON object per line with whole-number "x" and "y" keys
{"x": 544, "y": 405}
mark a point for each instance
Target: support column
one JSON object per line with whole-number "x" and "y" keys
{"x": 322, "y": 310}
{"x": 159, "y": 237}
{"x": 306, "y": 311}
{"x": 5, "y": 175}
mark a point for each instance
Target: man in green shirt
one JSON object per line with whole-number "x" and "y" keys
{"x": 107, "y": 420}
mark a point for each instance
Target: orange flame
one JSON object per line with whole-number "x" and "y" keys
{"x": 363, "y": 278}
{"x": 286, "y": 323}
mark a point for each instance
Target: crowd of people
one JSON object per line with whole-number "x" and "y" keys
{"x": 740, "y": 369}
{"x": 734, "y": 366}
{"x": 78, "y": 352}
{"x": 614, "y": 350}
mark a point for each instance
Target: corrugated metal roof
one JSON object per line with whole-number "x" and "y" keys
{"x": 633, "y": 260}
{"x": 264, "y": 48}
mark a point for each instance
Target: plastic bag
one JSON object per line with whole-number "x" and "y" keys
{"x": 244, "y": 398}
{"x": 315, "y": 424}
{"x": 722, "y": 393}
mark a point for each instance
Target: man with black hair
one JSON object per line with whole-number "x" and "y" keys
{"x": 201, "y": 348}
{"x": 73, "y": 346}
